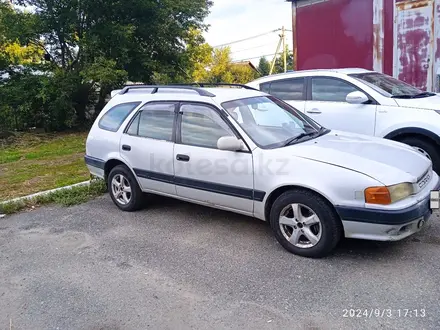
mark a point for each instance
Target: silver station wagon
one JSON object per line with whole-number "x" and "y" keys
{"x": 238, "y": 149}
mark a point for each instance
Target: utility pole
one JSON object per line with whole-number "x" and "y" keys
{"x": 281, "y": 41}
{"x": 284, "y": 49}
{"x": 275, "y": 56}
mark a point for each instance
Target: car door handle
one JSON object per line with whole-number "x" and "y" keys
{"x": 182, "y": 158}
{"x": 314, "y": 111}
{"x": 126, "y": 147}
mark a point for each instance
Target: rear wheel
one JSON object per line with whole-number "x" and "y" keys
{"x": 426, "y": 148}
{"x": 124, "y": 189}
{"x": 304, "y": 224}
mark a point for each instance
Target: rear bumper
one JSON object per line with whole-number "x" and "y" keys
{"x": 95, "y": 162}
{"x": 95, "y": 166}
{"x": 385, "y": 225}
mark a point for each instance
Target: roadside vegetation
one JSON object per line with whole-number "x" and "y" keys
{"x": 64, "y": 197}
{"x": 30, "y": 163}
{"x": 60, "y": 59}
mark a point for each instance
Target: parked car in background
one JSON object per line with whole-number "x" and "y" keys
{"x": 364, "y": 102}
{"x": 245, "y": 151}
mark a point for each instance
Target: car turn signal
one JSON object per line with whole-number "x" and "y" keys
{"x": 377, "y": 195}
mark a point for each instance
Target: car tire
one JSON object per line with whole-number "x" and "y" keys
{"x": 133, "y": 200}
{"x": 429, "y": 147}
{"x": 330, "y": 226}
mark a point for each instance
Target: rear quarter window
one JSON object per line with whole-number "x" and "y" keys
{"x": 291, "y": 89}
{"x": 113, "y": 118}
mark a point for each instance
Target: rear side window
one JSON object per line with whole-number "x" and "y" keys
{"x": 113, "y": 118}
{"x": 154, "y": 121}
{"x": 288, "y": 89}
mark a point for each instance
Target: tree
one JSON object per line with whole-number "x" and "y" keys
{"x": 11, "y": 53}
{"x": 200, "y": 56}
{"x": 279, "y": 63}
{"x": 141, "y": 36}
{"x": 219, "y": 70}
{"x": 243, "y": 73}
{"x": 196, "y": 58}
{"x": 96, "y": 45}
{"x": 223, "y": 70}
{"x": 264, "y": 66}
{"x": 13, "y": 29}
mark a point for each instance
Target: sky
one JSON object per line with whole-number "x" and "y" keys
{"x": 232, "y": 20}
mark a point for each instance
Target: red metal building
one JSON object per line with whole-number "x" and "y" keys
{"x": 397, "y": 37}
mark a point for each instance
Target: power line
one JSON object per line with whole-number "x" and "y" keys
{"x": 242, "y": 50}
{"x": 249, "y": 38}
{"x": 252, "y": 58}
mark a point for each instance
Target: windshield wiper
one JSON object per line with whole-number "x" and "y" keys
{"x": 403, "y": 96}
{"x": 425, "y": 94}
{"x": 298, "y": 137}
{"x": 323, "y": 130}
{"x": 413, "y": 96}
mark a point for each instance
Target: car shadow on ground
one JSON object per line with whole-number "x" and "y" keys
{"x": 346, "y": 249}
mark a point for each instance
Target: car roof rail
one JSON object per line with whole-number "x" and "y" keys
{"x": 155, "y": 88}
{"x": 216, "y": 85}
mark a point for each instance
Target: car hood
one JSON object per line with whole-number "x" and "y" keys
{"x": 386, "y": 161}
{"x": 431, "y": 102}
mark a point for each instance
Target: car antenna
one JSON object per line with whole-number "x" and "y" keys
{"x": 186, "y": 73}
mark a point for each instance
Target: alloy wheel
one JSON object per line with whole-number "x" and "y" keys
{"x": 121, "y": 189}
{"x": 300, "y": 225}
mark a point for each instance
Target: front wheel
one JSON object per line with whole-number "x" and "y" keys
{"x": 304, "y": 224}
{"x": 426, "y": 148}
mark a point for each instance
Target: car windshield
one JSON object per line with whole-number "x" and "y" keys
{"x": 271, "y": 123}
{"x": 389, "y": 86}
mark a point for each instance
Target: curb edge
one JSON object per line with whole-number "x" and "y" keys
{"x": 46, "y": 192}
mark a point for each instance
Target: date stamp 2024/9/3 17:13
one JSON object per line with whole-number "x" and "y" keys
{"x": 383, "y": 313}
{"x": 435, "y": 200}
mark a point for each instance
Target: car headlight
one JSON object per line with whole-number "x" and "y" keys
{"x": 388, "y": 195}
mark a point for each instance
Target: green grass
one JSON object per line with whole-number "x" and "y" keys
{"x": 43, "y": 147}
{"x": 64, "y": 197}
{"x": 37, "y": 162}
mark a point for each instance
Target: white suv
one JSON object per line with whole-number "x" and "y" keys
{"x": 364, "y": 102}
{"x": 245, "y": 151}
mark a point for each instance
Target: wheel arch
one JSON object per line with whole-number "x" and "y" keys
{"x": 112, "y": 163}
{"x": 401, "y": 133}
{"x": 282, "y": 189}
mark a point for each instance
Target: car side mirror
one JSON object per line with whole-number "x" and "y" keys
{"x": 230, "y": 143}
{"x": 357, "y": 98}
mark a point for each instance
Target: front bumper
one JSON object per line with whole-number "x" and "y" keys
{"x": 378, "y": 232}
{"x": 385, "y": 225}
